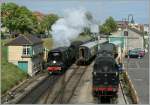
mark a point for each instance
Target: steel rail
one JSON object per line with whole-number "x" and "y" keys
{"x": 64, "y": 85}
{"x": 122, "y": 91}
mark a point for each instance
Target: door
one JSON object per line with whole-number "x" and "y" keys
{"x": 23, "y": 65}
{"x": 82, "y": 53}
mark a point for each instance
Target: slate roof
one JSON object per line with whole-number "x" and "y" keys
{"x": 24, "y": 40}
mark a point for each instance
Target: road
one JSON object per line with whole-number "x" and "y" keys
{"x": 138, "y": 69}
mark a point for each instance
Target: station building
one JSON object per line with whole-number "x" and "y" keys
{"x": 26, "y": 52}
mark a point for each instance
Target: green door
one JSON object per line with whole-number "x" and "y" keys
{"x": 23, "y": 65}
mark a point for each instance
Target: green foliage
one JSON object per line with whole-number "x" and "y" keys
{"x": 49, "y": 20}
{"x": 109, "y": 26}
{"x": 8, "y": 12}
{"x": 110, "y": 22}
{"x": 40, "y": 28}
{"x": 20, "y": 19}
{"x": 17, "y": 18}
{"x": 45, "y": 25}
{"x": 105, "y": 29}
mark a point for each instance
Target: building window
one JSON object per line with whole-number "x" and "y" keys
{"x": 26, "y": 50}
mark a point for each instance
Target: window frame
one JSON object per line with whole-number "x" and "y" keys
{"x": 26, "y": 50}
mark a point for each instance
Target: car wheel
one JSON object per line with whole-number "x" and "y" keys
{"x": 139, "y": 56}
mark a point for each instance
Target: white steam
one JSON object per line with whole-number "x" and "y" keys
{"x": 69, "y": 27}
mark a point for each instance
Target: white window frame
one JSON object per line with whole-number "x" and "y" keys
{"x": 26, "y": 51}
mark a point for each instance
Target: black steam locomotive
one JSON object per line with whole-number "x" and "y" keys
{"x": 61, "y": 58}
{"x": 105, "y": 72}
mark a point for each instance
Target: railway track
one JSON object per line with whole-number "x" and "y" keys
{"x": 46, "y": 99}
{"x": 120, "y": 99}
{"x": 67, "y": 90}
{"x": 21, "y": 88}
{"x": 125, "y": 101}
{"x": 59, "y": 89}
{"x": 36, "y": 93}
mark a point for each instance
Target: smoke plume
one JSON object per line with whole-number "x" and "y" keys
{"x": 70, "y": 26}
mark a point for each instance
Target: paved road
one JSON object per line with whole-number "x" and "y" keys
{"x": 138, "y": 70}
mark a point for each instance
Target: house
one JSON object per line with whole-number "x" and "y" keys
{"x": 26, "y": 51}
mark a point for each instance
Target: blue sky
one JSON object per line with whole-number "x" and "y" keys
{"x": 100, "y": 9}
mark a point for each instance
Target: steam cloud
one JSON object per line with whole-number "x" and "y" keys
{"x": 69, "y": 27}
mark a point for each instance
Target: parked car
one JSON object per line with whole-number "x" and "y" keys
{"x": 136, "y": 52}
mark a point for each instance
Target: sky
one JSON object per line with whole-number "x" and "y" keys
{"x": 100, "y": 9}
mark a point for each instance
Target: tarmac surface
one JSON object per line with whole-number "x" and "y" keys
{"x": 138, "y": 70}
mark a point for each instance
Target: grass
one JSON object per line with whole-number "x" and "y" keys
{"x": 10, "y": 74}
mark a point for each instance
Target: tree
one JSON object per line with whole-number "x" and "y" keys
{"x": 105, "y": 29}
{"x": 110, "y": 22}
{"x": 21, "y": 20}
{"x": 49, "y": 20}
{"x": 40, "y": 26}
{"x": 109, "y": 26}
{"x": 8, "y": 12}
{"x": 17, "y": 19}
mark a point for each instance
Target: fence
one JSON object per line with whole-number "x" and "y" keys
{"x": 132, "y": 90}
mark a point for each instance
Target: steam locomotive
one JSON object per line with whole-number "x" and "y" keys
{"x": 105, "y": 72}
{"x": 59, "y": 59}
